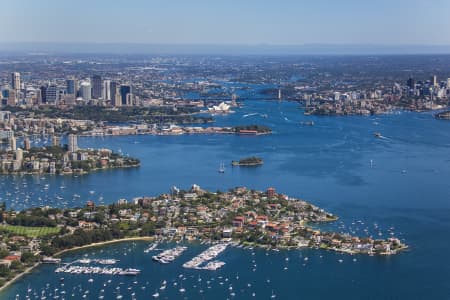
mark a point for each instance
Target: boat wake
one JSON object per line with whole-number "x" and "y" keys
{"x": 249, "y": 115}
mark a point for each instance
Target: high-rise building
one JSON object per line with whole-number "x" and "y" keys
{"x": 19, "y": 155}
{"x": 433, "y": 80}
{"x": 118, "y": 100}
{"x": 96, "y": 87}
{"x": 73, "y": 143}
{"x": 411, "y": 83}
{"x": 43, "y": 94}
{"x": 5, "y": 93}
{"x": 26, "y": 144}
{"x": 38, "y": 96}
{"x": 125, "y": 94}
{"x": 12, "y": 142}
{"x": 107, "y": 90}
{"x": 71, "y": 86}
{"x": 113, "y": 91}
{"x": 5, "y": 116}
{"x": 51, "y": 94}
{"x": 85, "y": 91}
{"x": 15, "y": 81}
{"x": 130, "y": 100}
{"x": 12, "y": 98}
{"x": 55, "y": 141}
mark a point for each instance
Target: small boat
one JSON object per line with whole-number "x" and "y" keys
{"x": 307, "y": 123}
{"x": 222, "y": 168}
{"x": 377, "y": 134}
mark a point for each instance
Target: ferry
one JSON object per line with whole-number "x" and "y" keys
{"x": 130, "y": 271}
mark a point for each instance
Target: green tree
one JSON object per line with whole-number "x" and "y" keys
{"x": 28, "y": 257}
{"x": 4, "y": 253}
{"x": 4, "y": 271}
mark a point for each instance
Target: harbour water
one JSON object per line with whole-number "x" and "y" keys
{"x": 397, "y": 183}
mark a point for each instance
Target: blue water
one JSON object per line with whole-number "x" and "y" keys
{"x": 404, "y": 189}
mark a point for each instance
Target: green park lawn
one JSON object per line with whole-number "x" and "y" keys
{"x": 30, "y": 231}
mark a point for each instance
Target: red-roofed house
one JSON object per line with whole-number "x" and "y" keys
{"x": 238, "y": 221}
{"x": 270, "y": 192}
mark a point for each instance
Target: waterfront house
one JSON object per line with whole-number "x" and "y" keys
{"x": 190, "y": 196}
{"x": 13, "y": 257}
{"x": 227, "y": 232}
{"x": 238, "y": 221}
{"x": 252, "y": 225}
{"x": 262, "y": 220}
{"x": 5, "y": 262}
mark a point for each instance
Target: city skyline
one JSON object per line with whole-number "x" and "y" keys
{"x": 250, "y": 23}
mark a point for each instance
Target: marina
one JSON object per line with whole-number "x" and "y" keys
{"x": 73, "y": 269}
{"x": 107, "y": 261}
{"x": 168, "y": 256}
{"x": 205, "y": 257}
{"x": 95, "y": 266}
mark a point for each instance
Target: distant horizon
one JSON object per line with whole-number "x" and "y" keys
{"x": 223, "y": 48}
{"x": 232, "y": 22}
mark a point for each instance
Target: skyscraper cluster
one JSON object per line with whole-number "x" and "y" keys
{"x": 431, "y": 87}
{"x": 94, "y": 90}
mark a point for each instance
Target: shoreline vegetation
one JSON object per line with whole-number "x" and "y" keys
{"x": 146, "y": 129}
{"x": 239, "y": 216}
{"x": 154, "y": 114}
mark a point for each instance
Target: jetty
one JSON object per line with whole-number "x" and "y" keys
{"x": 151, "y": 248}
{"x": 207, "y": 256}
{"x": 72, "y": 269}
{"x": 168, "y": 256}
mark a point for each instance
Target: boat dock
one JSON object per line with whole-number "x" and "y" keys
{"x": 168, "y": 256}
{"x": 151, "y": 248}
{"x": 96, "y": 270}
{"x": 106, "y": 261}
{"x": 207, "y": 256}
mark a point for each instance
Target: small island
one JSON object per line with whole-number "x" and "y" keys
{"x": 252, "y": 129}
{"x": 248, "y": 162}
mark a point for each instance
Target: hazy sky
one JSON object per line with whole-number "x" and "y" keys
{"x": 227, "y": 21}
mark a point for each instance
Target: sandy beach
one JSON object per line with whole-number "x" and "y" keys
{"x": 30, "y": 269}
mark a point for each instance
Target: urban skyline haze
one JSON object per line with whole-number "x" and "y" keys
{"x": 251, "y": 22}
